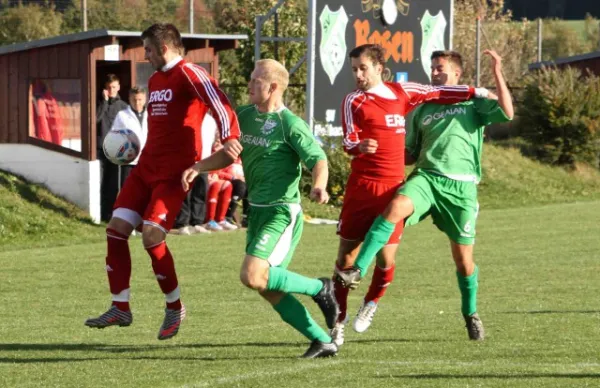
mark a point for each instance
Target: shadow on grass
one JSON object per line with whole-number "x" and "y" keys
{"x": 496, "y": 376}
{"x": 552, "y": 312}
{"x": 41, "y": 360}
{"x": 137, "y": 348}
{"x": 28, "y": 193}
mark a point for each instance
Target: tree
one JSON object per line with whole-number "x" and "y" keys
{"x": 238, "y": 17}
{"x": 127, "y": 15}
{"x": 28, "y": 22}
{"x": 560, "y": 116}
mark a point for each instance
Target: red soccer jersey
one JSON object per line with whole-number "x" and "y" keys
{"x": 369, "y": 116}
{"x": 179, "y": 98}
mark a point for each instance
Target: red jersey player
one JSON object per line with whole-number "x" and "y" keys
{"x": 180, "y": 94}
{"x": 373, "y": 119}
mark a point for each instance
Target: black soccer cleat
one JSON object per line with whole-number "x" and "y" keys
{"x": 474, "y": 327}
{"x": 326, "y": 301}
{"x": 349, "y": 278}
{"x": 113, "y": 317}
{"x": 320, "y": 349}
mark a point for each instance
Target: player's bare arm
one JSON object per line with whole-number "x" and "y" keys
{"x": 504, "y": 97}
{"x": 320, "y": 175}
{"x": 216, "y": 161}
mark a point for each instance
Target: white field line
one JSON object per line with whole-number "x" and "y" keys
{"x": 319, "y": 365}
{"x": 260, "y": 374}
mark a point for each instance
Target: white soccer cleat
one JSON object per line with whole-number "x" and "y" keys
{"x": 364, "y": 317}
{"x": 200, "y": 229}
{"x": 213, "y": 226}
{"x": 183, "y": 231}
{"x": 226, "y": 225}
{"x": 337, "y": 333}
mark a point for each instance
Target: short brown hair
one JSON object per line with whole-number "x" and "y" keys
{"x": 110, "y": 78}
{"x": 373, "y": 51}
{"x": 164, "y": 33}
{"x": 452, "y": 56}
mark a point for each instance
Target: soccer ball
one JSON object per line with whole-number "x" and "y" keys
{"x": 121, "y": 146}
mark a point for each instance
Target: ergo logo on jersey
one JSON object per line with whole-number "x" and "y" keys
{"x": 394, "y": 121}
{"x": 165, "y": 95}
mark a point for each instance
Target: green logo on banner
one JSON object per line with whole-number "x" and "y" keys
{"x": 332, "y": 50}
{"x": 433, "y": 29}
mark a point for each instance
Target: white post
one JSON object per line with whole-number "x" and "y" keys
{"x": 310, "y": 62}
{"x": 191, "y": 16}
{"x": 84, "y": 14}
{"x": 478, "y": 53}
{"x": 539, "y": 39}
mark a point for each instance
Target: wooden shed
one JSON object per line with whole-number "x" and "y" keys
{"x": 49, "y": 90}
{"x": 584, "y": 62}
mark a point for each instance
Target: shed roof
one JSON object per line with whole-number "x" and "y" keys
{"x": 220, "y": 41}
{"x": 565, "y": 61}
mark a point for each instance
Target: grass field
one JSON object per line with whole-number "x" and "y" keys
{"x": 539, "y": 288}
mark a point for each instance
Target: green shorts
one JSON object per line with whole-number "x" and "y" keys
{"x": 452, "y": 204}
{"x": 274, "y": 232}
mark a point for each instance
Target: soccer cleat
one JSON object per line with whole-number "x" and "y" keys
{"x": 113, "y": 317}
{"x": 364, "y": 317}
{"x": 327, "y": 302}
{"x": 183, "y": 231}
{"x": 226, "y": 225}
{"x": 474, "y": 327}
{"x": 320, "y": 349}
{"x": 213, "y": 225}
{"x": 349, "y": 278}
{"x": 337, "y": 333}
{"x": 171, "y": 323}
{"x": 200, "y": 229}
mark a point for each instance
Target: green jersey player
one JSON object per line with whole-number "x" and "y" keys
{"x": 445, "y": 141}
{"x": 275, "y": 142}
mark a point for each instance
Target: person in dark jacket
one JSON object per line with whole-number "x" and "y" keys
{"x": 110, "y": 104}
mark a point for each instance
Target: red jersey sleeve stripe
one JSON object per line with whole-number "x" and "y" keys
{"x": 214, "y": 100}
{"x": 351, "y": 138}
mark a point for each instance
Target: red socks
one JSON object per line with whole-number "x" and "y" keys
{"x": 118, "y": 267}
{"x": 341, "y": 295}
{"x": 224, "y": 200}
{"x": 164, "y": 269}
{"x": 379, "y": 283}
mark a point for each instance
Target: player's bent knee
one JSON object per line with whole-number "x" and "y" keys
{"x": 254, "y": 274}
{"x": 119, "y": 225}
{"x": 256, "y": 280}
{"x": 400, "y": 208}
{"x": 152, "y": 236}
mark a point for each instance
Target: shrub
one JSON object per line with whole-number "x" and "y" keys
{"x": 560, "y": 116}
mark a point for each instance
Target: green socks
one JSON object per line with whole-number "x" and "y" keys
{"x": 282, "y": 280}
{"x": 297, "y": 316}
{"x": 468, "y": 291}
{"x": 379, "y": 234}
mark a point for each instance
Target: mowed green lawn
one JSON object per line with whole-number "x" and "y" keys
{"x": 539, "y": 300}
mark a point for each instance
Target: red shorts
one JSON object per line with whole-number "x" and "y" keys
{"x": 157, "y": 201}
{"x": 364, "y": 201}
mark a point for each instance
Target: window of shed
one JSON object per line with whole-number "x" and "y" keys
{"x": 55, "y": 111}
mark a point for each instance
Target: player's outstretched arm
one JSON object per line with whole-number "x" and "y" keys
{"x": 216, "y": 161}
{"x": 504, "y": 97}
{"x": 320, "y": 175}
{"x": 442, "y": 94}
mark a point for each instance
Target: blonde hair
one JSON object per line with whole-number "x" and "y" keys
{"x": 274, "y": 72}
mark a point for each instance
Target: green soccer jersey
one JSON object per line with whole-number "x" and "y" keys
{"x": 448, "y": 139}
{"x": 274, "y": 145}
